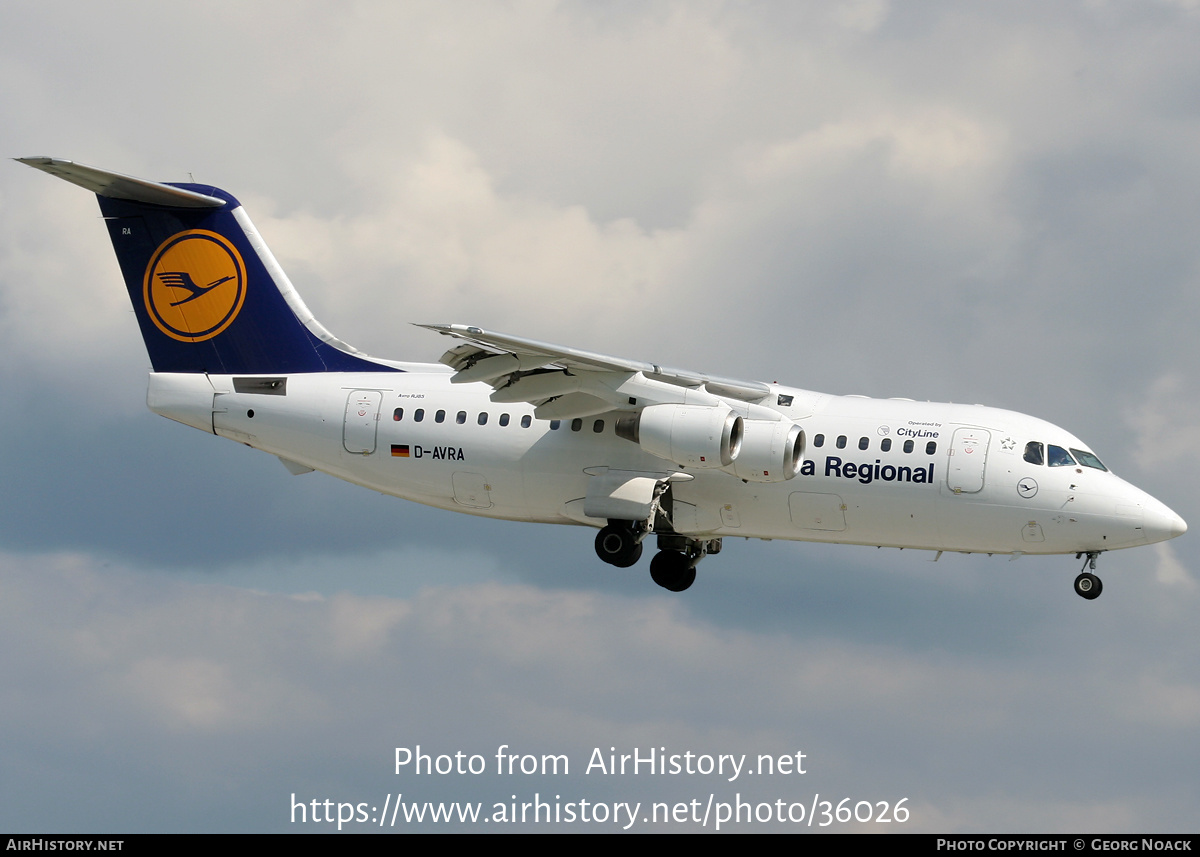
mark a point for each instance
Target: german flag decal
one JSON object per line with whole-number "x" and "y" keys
{"x": 399, "y": 450}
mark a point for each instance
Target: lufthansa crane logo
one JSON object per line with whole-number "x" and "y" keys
{"x": 195, "y": 285}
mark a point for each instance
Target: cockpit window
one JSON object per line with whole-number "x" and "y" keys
{"x": 1087, "y": 459}
{"x": 1033, "y": 452}
{"x": 1059, "y": 457}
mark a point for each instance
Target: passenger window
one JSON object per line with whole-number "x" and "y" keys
{"x": 418, "y": 415}
{"x": 483, "y": 418}
{"x": 819, "y": 440}
{"x": 461, "y": 418}
{"x": 439, "y": 417}
{"x": 1087, "y": 459}
{"x": 886, "y": 444}
{"x": 864, "y": 442}
{"x": 504, "y": 419}
{"x": 598, "y": 426}
{"x": 398, "y": 414}
{"x": 1034, "y": 452}
{"x": 908, "y": 446}
{"x": 841, "y": 441}
{"x": 555, "y": 424}
{"x": 576, "y": 424}
{"x": 526, "y": 421}
{"x": 1059, "y": 457}
{"x": 931, "y": 447}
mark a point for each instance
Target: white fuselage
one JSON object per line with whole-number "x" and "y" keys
{"x": 964, "y": 484}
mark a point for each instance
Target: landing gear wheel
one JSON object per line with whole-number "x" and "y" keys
{"x": 672, "y": 570}
{"x": 618, "y": 546}
{"x": 1088, "y": 586}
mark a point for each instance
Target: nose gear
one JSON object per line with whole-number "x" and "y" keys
{"x": 1088, "y": 585}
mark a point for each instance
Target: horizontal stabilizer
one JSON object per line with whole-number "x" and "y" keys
{"x": 117, "y": 186}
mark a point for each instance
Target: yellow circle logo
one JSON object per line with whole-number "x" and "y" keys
{"x": 195, "y": 285}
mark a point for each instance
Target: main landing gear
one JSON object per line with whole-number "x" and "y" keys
{"x": 619, "y": 544}
{"x": 673, "y": 567}
{"x": 1088, "y": 585}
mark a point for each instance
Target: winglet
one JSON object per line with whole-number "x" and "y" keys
{"x": 118, "y": 186}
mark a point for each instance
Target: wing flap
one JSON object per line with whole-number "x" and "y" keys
{"x": 573, "y": 405}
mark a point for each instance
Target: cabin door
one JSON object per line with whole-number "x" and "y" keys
{"x": 968, "y": 460}
{"x": 362, "y": 421}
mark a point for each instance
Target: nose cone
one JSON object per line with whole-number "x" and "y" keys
{"x": 1160, "y": 523}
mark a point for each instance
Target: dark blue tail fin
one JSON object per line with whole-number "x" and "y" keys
{"x": 208, "y": 294}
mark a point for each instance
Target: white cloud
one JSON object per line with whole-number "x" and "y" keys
{"x": 1171, "y": 571}
{"x": 442, "y": 243}
{"x": 864, "y": 15}
{"x": 1167, "y": 423}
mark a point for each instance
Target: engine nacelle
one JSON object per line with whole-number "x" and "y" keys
{"x": 772, "y": 451}
{"x": 690, "y": 435}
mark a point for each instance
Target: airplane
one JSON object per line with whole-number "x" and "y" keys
{"x": 513, "y": 428}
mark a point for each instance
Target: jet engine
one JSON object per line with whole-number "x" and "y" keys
{"x": 690, "y": 435}
{"x": 772, "y": 451}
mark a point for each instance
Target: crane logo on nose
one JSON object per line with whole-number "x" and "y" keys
{"x": 195, "y": 285}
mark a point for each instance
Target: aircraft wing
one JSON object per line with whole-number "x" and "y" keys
{"x": 564, "y": 382}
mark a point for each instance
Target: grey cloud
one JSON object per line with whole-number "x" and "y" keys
{"x": 184, "y": 679}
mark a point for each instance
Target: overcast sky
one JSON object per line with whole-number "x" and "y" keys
{"x": 970, "y": 202}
